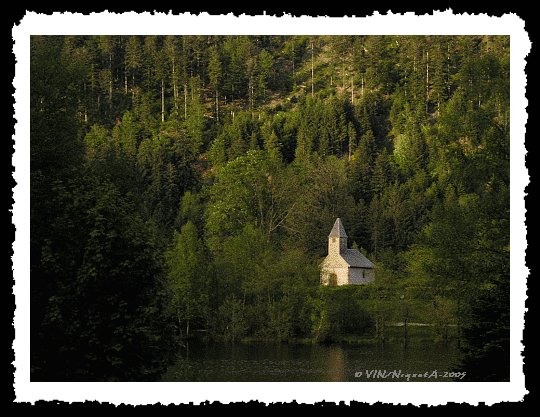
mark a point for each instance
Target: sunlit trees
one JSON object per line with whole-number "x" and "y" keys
{"x": 215, "y": 73}
{"x": 465, "y": 249}
{"x": 238, "y": 153}
{"x": 188, "y": 277}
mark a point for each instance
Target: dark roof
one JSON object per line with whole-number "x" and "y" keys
{"x": 356, "y": 259}
{"x": 338, "y": 230}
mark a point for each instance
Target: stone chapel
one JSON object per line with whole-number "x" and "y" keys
{"x": 344, "y": 266}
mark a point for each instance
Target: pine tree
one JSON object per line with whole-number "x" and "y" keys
{"x": 172, "y": 53}
{"x": 133, "y": 61}
{"x": 215, "y": 72}
{"x": 264, "y": 64}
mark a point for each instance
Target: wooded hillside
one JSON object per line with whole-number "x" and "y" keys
{"x": 187, "y": 183}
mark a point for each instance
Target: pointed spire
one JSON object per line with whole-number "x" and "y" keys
{"x": 338, "y": 230}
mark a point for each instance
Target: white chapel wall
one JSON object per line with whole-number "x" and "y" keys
{"x": 361, "y": 275}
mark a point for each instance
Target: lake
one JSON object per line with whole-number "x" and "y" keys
{"x": 286, "y": 362}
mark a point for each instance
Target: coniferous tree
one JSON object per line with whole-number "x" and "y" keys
{"x": 215, "y": 72}
{"x": 272, "y": 137}
{"x": 265, "y": 64}
{"x": 133, "y": 61}
{"x": 55, "y": 147}
{"x": 172, "y": 53}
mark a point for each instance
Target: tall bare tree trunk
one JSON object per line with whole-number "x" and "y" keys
{"x": 110, "y": 82}
{"x": 126, "y": 75}
{"x": 427, "y": 80}
{"x": 185, "y": 100}
{"x": 175, "y": 88}
{"x": 217, "y": 106}
{"x": 312, "y": 86}
{"x": 162, "y": 100}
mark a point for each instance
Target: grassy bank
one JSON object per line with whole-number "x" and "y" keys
{"x": 415, "y": 335}
{"x": 393, "y": 334}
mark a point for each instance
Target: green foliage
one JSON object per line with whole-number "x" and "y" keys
{"x": 188, "y": 276}
{"x": 103, "y": 310}
{"x": 229, "y": 158}
{"x": 191, "y": 210}
{"x": 487, "y": 334}
{"x": 341, "y": 311}
{"x": 321, "y": 195}
{"x": 165, "y": 165}
{"x": 239, "y": 196}
{"x": 232, "y": 324}
{"x": 55, "y": 145}
{"x": 280, "y": 318}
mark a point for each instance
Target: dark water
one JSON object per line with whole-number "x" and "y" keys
{"x": 258, "y": 362}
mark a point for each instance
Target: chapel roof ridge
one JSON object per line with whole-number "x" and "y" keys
{"x": 338, "y": 230}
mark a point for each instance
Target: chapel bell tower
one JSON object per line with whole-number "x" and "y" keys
{"x": 337, "y": 239}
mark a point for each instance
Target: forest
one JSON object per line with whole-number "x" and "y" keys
{"x": 185, "y": 186}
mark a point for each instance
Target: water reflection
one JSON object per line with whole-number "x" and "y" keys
{"x": 336, "y": 363}
{"x": 304, "y": 363}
